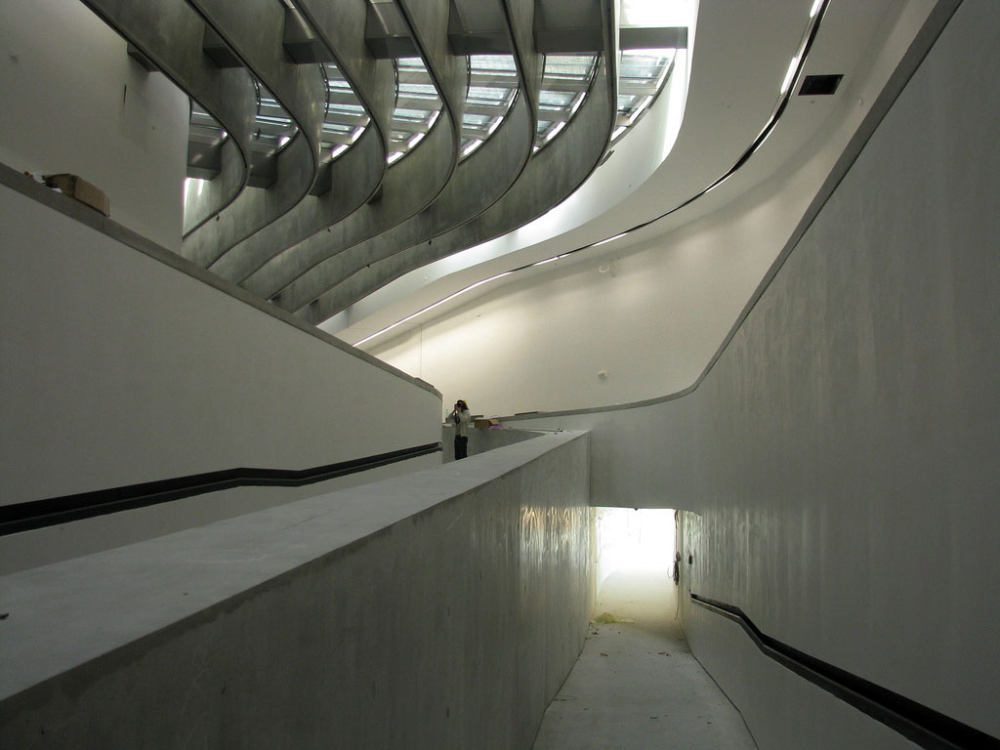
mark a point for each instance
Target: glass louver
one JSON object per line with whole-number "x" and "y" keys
{"x": 273, "y": 127}
{"x": 641, "y": 76}
{"x": 417, "y": 107}
{"x": 493, "y": 85}
{"x": 565, "y": 82}
{"x": 203, "y": 128}
{"x": 346, "y": 118}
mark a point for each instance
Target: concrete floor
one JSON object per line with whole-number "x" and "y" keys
{"x": 636, "y": 684}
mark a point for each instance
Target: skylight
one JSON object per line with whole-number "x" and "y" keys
{"x": 273, "y": 128}
{"x": 565, "y": 83}
{"x": 417, "y": 107}
{"x": 641, "y": 76}
{"x": 493, "y": 84}
{"x": 346, "y": 118}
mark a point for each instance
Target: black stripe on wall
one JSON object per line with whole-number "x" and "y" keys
{"x": 920, "y": 724}
{"x": 55, "y": 510}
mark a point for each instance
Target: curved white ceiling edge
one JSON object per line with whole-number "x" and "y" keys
{"x": 734, "y": 86}
{"x": 625, "y": 172}
{"x": 656, "y": 132}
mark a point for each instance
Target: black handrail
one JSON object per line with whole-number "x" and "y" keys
{"x": 36, "y": 514}
{"x": 918, "y": 723}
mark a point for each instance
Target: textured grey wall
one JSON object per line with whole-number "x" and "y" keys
{"x": 438, "y": 610}
{"x": 842, "y": 454}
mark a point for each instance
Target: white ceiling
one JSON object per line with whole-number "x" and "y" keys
{"x": 740, "y": 54}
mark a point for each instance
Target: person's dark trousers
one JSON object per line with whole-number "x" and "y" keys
{"x": 461, "y": 447}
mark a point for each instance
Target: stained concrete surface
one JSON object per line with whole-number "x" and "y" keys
{"x": 636, "y": 684}
{"x": 357, "y": 619}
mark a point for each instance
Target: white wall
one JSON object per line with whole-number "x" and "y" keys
{"x": 844, "y": 452}
{"x": 75, "y": 102}
{"x": 118, "y": 368}
{"x": 650, "y": 316}
{"x": 638, "y": 318}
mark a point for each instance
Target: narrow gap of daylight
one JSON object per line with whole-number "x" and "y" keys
{"x": 636, "y": 685}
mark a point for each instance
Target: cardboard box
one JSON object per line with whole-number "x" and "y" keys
{"x": 81, "y": 190}
{"x": 484, "y": 424}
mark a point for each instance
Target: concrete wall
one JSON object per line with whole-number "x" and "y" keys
{"x": 840, "y": 457}
{"x": 845, "y": 446}
{"x": 83, "y": 106}
{"x": 439, "y": 610}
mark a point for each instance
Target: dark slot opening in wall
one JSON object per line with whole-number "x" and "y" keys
{"x": 824, "y": 85}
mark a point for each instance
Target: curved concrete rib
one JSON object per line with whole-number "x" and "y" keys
{"x": 355, "y": 176}
{"x": 411, "y": 184}
{"x": 170, "y": 33}
{"x": 550, "y": 177}
{"x": 220, "y": 191}
{"x": 337, "y": 25}
{"x": 478, "y": 182}
{"x": 254, "y": 30}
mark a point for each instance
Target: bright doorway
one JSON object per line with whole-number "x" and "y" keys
{"x": 633, "y": 566}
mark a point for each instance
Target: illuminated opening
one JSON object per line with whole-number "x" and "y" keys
{"x": 633, "y": 566}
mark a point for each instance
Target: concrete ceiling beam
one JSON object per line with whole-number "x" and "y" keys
{"x": 301, "y": 43}
{"x": 568, "y": 26}
{"x": 478, "y": 27}
{"x": 320, "y": 234}
{"x": 387, "y": 32}
{"x": 664, "y": 37}
{"x": 232, "y": 176}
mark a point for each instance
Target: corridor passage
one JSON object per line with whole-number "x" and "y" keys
{"x": 636, "y": 686}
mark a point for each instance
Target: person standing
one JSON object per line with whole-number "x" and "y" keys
{"x": 461, "y": 417}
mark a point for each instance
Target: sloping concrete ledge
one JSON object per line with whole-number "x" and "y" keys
{"x": 437, "y": 610}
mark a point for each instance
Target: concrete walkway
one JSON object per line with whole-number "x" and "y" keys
{"x": 636, "y": 684}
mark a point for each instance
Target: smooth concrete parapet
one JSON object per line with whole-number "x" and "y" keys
{"x": 442, "y": 609}
{"x": 86, "y": 536}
